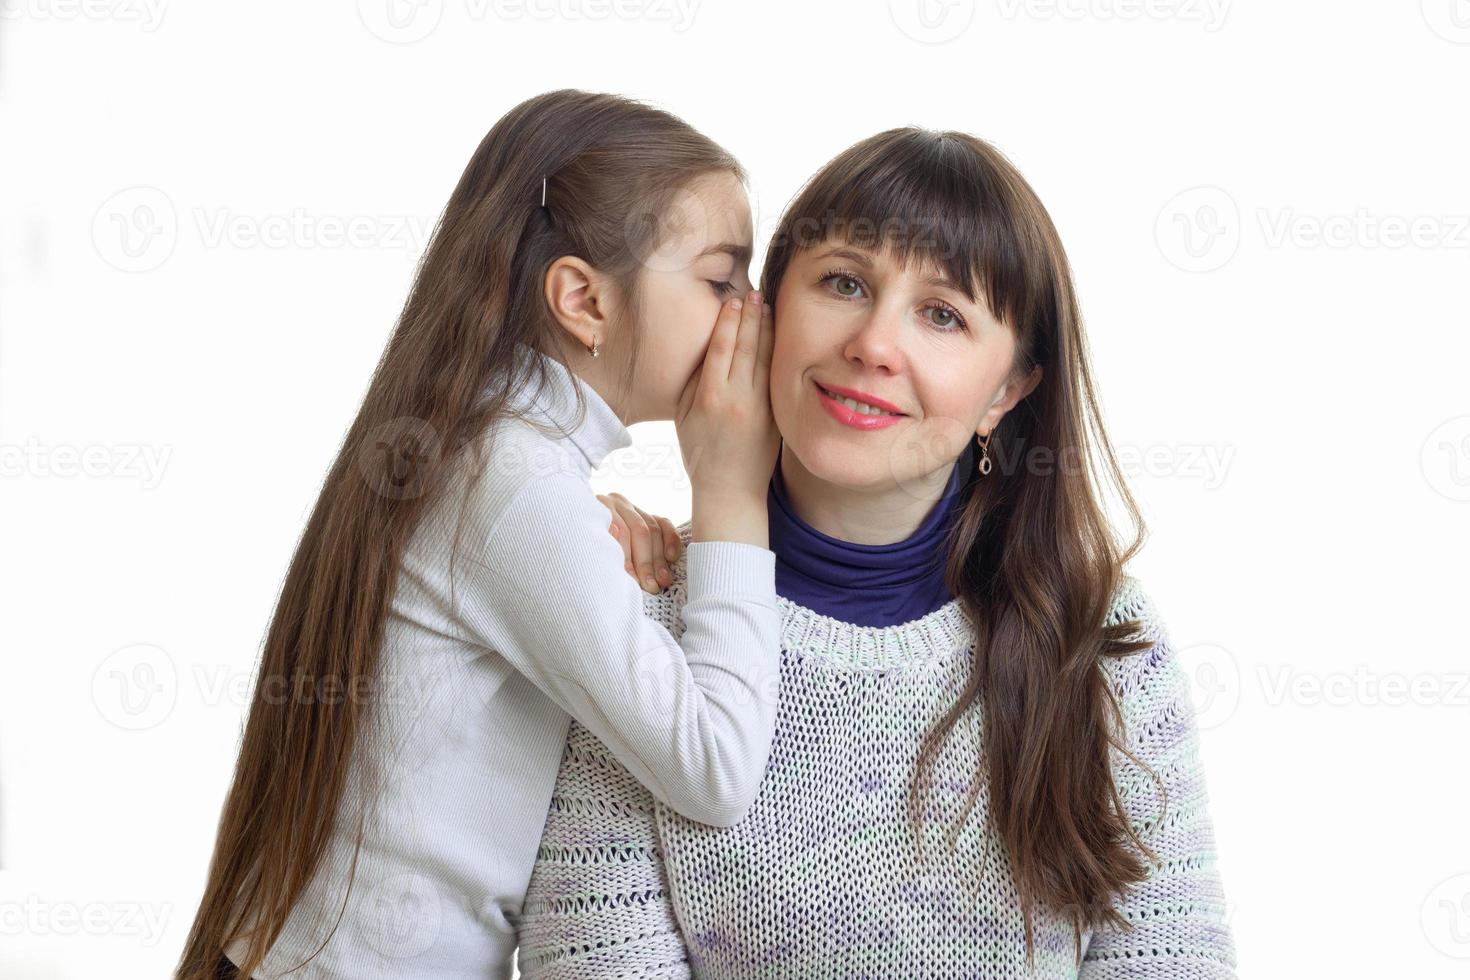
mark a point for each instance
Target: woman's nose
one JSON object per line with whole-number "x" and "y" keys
{"x": 878, "y": 341}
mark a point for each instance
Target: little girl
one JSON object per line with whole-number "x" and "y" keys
{"x": 456, "y": 599}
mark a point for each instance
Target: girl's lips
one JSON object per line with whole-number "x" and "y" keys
{"x": 848, "y": 417}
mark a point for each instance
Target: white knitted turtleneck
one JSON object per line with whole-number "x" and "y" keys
{"x": 821, "y": 878}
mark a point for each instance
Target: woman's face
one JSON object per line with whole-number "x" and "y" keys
{"x": 854, "y": 321}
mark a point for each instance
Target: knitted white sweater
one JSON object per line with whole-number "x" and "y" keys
{"x": 821, "y": 878}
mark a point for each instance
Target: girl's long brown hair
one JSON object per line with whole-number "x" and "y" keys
{"x": 1032, "y": 557}
{"x": 612, "y": 166}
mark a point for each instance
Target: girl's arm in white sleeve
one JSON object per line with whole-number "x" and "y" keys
{"x": 693, "y": 718}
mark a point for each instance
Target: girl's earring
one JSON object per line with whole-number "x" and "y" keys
{"x": 593, "y": 348}
{"x": 984, "y": 453}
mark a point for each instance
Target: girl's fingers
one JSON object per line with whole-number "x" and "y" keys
{"x": 645, "y": 541}
{"x": 722, "y": 342}
{"x": 658, "y": 539}
{"x": 643, "y": 550}
{"x": 767, "y": 346}
{"x": 672, "y": 542}
{"x": 747, "y": 340}
{"x": 619, "y": 530}
{"x": 649, "y": 543}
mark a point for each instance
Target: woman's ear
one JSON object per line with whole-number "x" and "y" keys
{"x": 580, "y": 298}
{"x": 1011, "y": 394}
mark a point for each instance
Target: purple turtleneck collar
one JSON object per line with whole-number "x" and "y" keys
{"x": 863, "y": 584}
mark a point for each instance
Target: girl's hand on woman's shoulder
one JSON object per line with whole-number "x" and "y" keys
{"x": 650, "y": 543}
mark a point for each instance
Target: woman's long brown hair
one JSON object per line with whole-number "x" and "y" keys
{"x": 1033, "y": 557}
{"x": 612, "y": 167}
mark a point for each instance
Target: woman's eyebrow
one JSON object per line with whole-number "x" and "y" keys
{"x": 740, "y": 253}
{"x": 850, "y": 254}
{"x": 946, "y": 283}
{"x": 861, "y": 258}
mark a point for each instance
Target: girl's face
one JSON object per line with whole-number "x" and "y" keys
{"x": 854, "y": 322}
{"x": 702, "y": 260}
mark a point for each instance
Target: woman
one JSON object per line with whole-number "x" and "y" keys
{"x": 986, "y": 763}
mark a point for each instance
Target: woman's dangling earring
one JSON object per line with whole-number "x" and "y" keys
{"x": 984, "y": 452}
{"x": 593, "y": 348}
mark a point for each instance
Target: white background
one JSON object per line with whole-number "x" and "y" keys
{"x": 1266, "y": 206}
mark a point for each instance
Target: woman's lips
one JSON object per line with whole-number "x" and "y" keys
{"x": 848, "y": 417}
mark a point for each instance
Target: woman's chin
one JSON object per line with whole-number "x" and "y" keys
{"x": 844, "y": 465}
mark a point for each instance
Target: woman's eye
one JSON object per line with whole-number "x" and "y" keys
{"x": 845, "y": 286}
{"x": 941, "y": 317}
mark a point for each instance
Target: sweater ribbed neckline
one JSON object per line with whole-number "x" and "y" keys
{"x": 929, "y": 638}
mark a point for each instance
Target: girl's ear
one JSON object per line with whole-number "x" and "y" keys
{"x": 580, "y": 299}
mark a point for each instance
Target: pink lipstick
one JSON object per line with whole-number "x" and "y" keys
{"x": 854, "y": 419}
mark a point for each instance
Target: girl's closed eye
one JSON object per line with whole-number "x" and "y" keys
{"x": 722, "y": 287}
{"x": 848, "y": 285}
